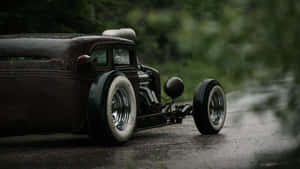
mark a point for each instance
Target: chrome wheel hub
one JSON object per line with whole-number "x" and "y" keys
{"x": 217, "y": 107}
{"x": 120, "y": 109}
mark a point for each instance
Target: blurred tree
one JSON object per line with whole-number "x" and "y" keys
{"x": 251, "y": 40}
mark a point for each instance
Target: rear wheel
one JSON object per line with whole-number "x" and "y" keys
{"x": 112, "y": 120}
{"x": 209, "y": 110}
{"x": 121, "y": 109}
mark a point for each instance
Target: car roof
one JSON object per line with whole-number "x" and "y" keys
{"x": 51, "y": 45}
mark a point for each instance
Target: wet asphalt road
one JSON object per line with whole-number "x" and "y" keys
{"x": 245, "y": 138}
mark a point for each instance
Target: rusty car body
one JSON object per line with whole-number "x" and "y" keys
{"x": 62, "y": 82}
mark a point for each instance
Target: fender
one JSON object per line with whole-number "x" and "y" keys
{"x": 97, "y": 99}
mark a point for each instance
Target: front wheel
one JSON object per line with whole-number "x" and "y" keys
{"x": 209, "y": 107}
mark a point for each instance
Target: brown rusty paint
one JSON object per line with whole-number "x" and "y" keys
{"x": 50, "y": 95}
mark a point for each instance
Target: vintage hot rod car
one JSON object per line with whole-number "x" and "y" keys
{"x": 93, "y": 85}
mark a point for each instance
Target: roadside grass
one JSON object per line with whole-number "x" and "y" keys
{"x": 192, "y": 72}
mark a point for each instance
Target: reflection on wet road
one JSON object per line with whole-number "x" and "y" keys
{"x": 244, "y": 138}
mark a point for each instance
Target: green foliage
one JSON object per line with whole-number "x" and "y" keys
{"x": 155, "y": 43}
{"x": 192, "y": 72}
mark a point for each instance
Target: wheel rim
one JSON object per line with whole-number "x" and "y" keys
{"x": 121, "y": 108}
{"x": 217, "y": 107}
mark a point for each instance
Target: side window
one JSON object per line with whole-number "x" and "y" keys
{"x": 121, "y": 56}
{"x": 99, "y": 57}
